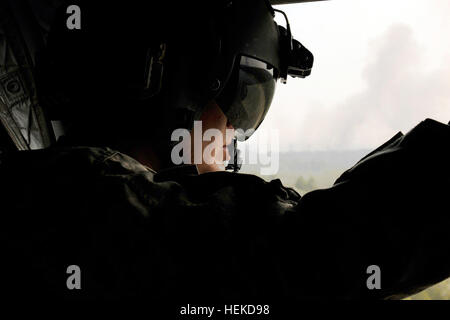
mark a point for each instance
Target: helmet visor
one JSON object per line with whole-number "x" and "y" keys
{"x": 252, "y": 96}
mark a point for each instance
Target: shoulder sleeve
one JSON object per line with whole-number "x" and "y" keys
{"x": 390, "y": 211}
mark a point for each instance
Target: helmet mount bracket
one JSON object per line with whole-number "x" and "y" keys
{"x": 296, "y": 60}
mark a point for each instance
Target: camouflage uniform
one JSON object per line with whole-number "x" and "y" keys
{"x": 221, "y": 235}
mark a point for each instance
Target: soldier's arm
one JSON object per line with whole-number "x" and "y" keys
{"x": 390, "y": 210}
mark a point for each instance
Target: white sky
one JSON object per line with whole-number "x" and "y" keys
{"x": 381, "y": 66}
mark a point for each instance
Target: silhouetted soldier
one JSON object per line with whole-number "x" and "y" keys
{"x": 107, "y": 198}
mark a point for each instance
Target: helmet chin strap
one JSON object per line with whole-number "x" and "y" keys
{"x": 235, "y": 162}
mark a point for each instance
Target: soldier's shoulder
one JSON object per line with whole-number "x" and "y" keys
{"x": 72, "y": 159}
{"x": 108, "y": 176}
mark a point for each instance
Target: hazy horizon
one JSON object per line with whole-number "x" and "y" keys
{"x": 380, "y": 67}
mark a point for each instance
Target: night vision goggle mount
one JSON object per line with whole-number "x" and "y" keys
{"x": 295, "y": 59}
